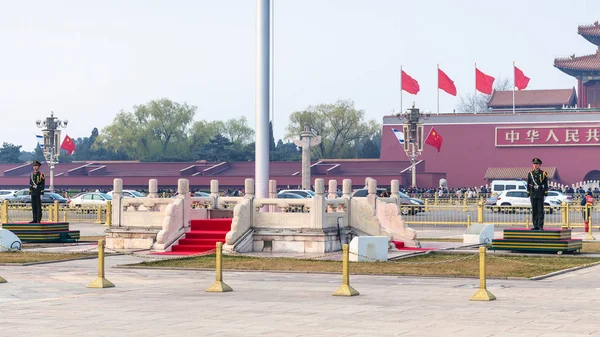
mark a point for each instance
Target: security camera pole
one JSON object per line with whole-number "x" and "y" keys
{"x": 50, "y": 128}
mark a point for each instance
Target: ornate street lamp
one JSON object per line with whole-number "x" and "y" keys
{"x": 50, "y": 128}
{"x": 413, "y": 136}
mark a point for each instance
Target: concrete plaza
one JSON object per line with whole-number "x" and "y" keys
{"x": 53, "y": 300}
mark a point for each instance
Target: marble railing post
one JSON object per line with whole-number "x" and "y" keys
{"x": 395, "y": 188}
{"x": 347, "y": 193}
{"x": 153, "y": 188}
{"x": 272, "y": 194}
{"x": 117, "y": 208}
{"x": 332, "y": 189}
{"x": 249, "y": 188}
{"x": 183, "y": 191}
{"x": 372, "y": 188}
{"x": 214, "y": 192}
{"x": 318, "y": 207}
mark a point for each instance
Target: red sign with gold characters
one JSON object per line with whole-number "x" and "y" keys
{"x": 507, "y": 136}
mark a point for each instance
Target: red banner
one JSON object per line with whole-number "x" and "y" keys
{"x": 548, "y": 135}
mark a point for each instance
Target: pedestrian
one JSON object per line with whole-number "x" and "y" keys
{"x": 537, "y": 189}
{"x": 37, "y": 182}
{"x": 587, "y": 203}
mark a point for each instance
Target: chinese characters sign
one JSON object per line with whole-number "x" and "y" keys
{"x": 548, "y": 135}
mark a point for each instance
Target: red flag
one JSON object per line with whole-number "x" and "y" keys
{"x": 445, "y": 83}
{"x": 434, "y": 139}
{"x": 409, "y": 84}
{"x": 68, "y": 145}
{"x": 521, "y": 81}
{"x": 483, "y": 83}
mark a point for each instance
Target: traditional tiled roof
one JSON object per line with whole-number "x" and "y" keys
{"x": 533, "y": 98}
{"x": 590, "y": 30}
{"x": 587, "y": 62}
{"x": 515, "y": 172}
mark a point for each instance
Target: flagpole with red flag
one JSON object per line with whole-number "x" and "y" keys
{"x": 514, "y": 82}
{"x": 401, "y": 89}
{"x": 438, "y": 91}
{"x": 475, "y": 96}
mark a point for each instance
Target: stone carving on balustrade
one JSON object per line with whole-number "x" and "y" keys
{"x": 393, "y": 225}
{"x": 172, "y": 228}
{"x": 240, "y": 226}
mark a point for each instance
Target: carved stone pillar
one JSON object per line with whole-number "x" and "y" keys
{"x": 214, "y": 193}
{"x": 318, "y": 208}
{"x": 372, "y": 188}
{"x": 332, "y": 189}
{"x": 395, "y": 188}
{"x": 183, "y": 191}
{"x": 117, "y": 207}
{"x": 153, "y": 188}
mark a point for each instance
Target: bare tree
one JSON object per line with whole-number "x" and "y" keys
{"x": 469, "y": 101}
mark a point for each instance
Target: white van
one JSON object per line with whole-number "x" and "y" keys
{"x": 502, "y": 185}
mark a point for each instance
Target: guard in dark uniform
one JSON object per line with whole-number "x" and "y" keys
{"x": 37, "y": 182}
{"x": 537, "y": 189}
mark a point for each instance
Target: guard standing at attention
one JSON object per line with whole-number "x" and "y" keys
{"x": 537, "y": 189}
{"x": 37, "y": 182}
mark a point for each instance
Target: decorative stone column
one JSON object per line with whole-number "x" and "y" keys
{"x": 183, "y": 191}
{"x": 117, "y": 207}
{"x": 395, "y": 188}
{"x": 153, "y": 188}
{"x": 318, "y": 208}
{"x": 372, "y": 188}
{"x": 347, "y": 194}
{"x": 332, "y": 189}
{"x": 307, "y": 140}
{"x": 249, "y": 188}
{"x": 214, "y": 193}
{"x": 273, "y": 194}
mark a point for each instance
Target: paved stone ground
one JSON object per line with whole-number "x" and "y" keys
{"x": 53, "y": 300}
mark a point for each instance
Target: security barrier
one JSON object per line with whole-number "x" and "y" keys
{"x": 567, "y": 215}
{"x": 15, "y": 212}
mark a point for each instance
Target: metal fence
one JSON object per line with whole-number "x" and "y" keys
{"x": 566, "y": 215}
{"x": 13, "y": 212}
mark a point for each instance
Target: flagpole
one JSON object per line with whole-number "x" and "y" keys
{"x": 400, "y": 88}
{"x": 514, "y": 87}
{"x": 438, "y": 89}
{"x": 475, "y": 95}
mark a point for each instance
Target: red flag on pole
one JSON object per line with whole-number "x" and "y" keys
{"x": 68, "y": 145}
{"x": 445, "y": 83}
{"x": 434, "y": 139}
{"x": 484, "y": 83}
{"x": 409, "y": 84}
{"x": 521, "y": 81}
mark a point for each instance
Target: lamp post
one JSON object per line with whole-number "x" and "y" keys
{"x": 413, "y": 137}
{"x": 50, "y": 128}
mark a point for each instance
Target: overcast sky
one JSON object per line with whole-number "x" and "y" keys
{"x": 88, "y": 60}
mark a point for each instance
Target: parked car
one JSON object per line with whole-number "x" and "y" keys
{"x": 519, "y": 198}
{"x": 7, "y": 194}
{"x": 408, "y": 204}
{"x": 560, "y": 196}
{"x": 47, "y": 198}
{"x": 20, "y": 194}
{"x": 129, "y": 194}
{"x": 303, "y": 193}
{"x": 289, "y": 196}
{"x": 90, "y": 199}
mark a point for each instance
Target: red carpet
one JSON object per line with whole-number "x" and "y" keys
{"x": 400, "y": 246}
{"x": 203, "y": 236}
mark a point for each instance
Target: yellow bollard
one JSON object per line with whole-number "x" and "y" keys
{"x": 563, "y": 215}
{"x": 109, "y": 213}
{"x": 5, "y": 211}
{"x": 219, "y": 286}
{"x": 482, "y": 293}
{"x": 101, "y": 281}
{"x": 435, "y": 199}
{"x": 99, "y": 219}
{"x": 65, "y": 214}
{"x": 527, "y": 221}
{"x": 468, "y": 220}
{"x": 480, "y": 209}
{"x": 56, "y": 208}
{"x": 567, "y": 216}
{"x": 345, "y": 289}
{"x": 2, "y": 280}
{"x": 426, "y": 205}
{"x": 589, "y": 233}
